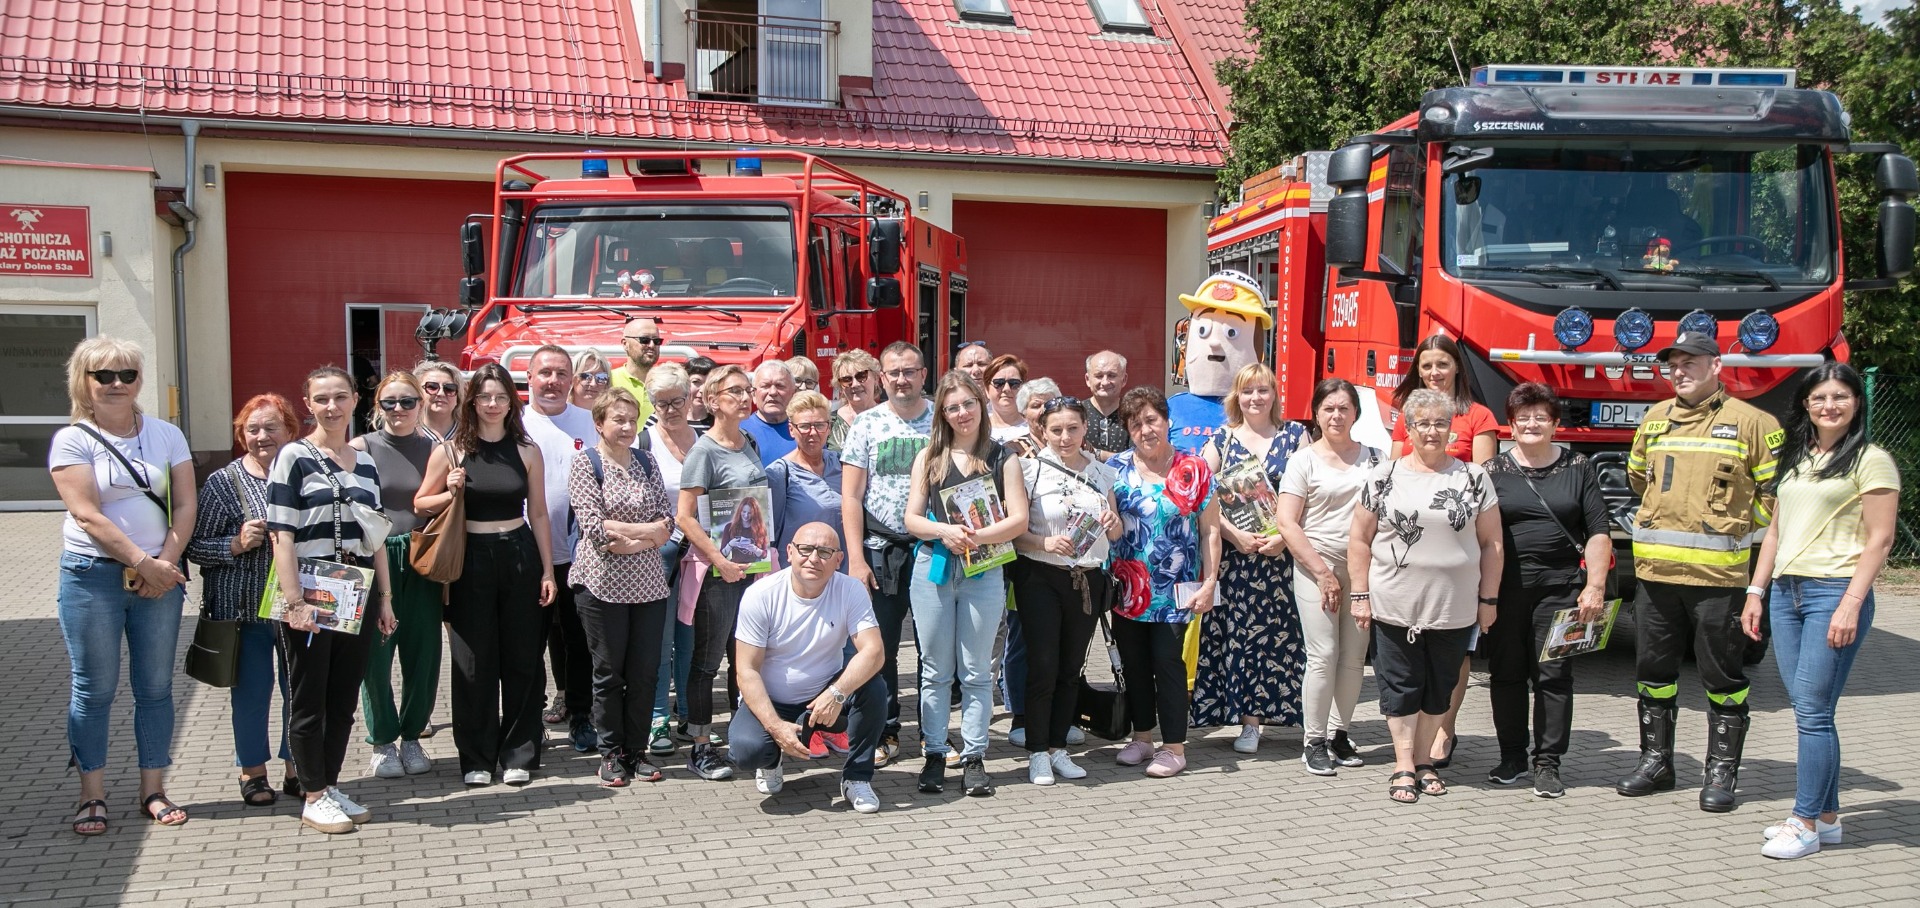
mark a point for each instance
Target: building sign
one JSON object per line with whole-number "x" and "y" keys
{"x": 50, "y": 240}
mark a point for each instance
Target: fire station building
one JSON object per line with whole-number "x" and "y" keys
{"x": 253, "y": 189}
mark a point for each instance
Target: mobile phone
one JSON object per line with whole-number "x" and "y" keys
{"x": 130, "y": 579}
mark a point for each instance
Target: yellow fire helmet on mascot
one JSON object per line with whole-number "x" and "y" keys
{"x": 1220, "y": 332}
{"x": 1230, "y": 291}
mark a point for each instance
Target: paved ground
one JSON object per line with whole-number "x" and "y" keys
{"x": 1233, "y": 830}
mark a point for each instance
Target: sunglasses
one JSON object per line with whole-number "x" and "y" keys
{"x": 399, "y": 403}
{"x": 649, "y": 340}
{"x": 822, "y": 552}
{"x": 859, "y": 377}
{"x": 1059, "y": 403}
{"x": 595, "y": 378}
{"x": 965, "y": 344}
{"x": 110, "y": 376}
{"x": 1005, "y": 383}
{"x": 435, "y": 387}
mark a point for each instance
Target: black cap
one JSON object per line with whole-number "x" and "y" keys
{"x": 1692, "y": 342}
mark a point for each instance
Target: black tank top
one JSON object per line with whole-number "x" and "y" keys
{"x": 496, "y": 481}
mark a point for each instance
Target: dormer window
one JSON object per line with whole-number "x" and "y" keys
{"x": 995, "y": 11}
{"x": 1121, "y": 16}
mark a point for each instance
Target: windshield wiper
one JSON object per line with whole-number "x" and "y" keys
{"x": 650, "y": 303}
{"x": 1773, "y": 283}
{"x": 1605, "y": 275}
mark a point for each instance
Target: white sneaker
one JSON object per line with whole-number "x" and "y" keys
{"x": 324, "y": 814}
{"x": 1249, "y": 740}
{"x": 1039, "y": 769}
{"x": 516, "y": 776}
{"x": 861, "y": 796}
{"x": 478, "y": 778}
{"x": 386, "y": 762}
{"x": 1075, "y": 736}
{"x": 1064, "y": 767}
{"x": 348, "y": 806}
{"x": 1017, "y": 737}
{"x": 1829, "y": 832}
{"x": 770, "y": 781}
{"x": 414, "y": 758}
{"x": 1793, "y": 841}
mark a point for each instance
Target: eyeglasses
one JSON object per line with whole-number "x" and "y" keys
{"x": 110, "y": 376}
{"x": 596, "y": 378}
{"x": 644, "y": 340}
{"x": 822, "y": 552}
{"x": 391, "y": 404}
{"x": 1431, "y": 426}
{"x": 1534, "y": 420}
{"x": 736, "y": 391}
{"x": 671, "y": 403}
{"x": 1059, "y": 403}
{"x": 435, "y": 387}
{"x": 1823, "y": 400}
{"x": 961, "y": 407}
{"x": 489, "y": 400}
{"x": 853, "y": 378}
{"x": 806, "y": 384}
{"x": 1005, "y": 383}
{"x": 898, "y": 374}
{"x": 808, "y": 426}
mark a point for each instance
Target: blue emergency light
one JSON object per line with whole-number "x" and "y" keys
{"x": 1632, "y": 76}
{"x": 591, "y": 168}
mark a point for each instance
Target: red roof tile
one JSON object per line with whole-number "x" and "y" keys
{"x": 1054, "y": 86}
{"x": 1211, "y": 31}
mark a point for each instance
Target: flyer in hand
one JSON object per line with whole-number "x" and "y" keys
{"x": 339, "y": 588}
{"x": 1569, "y": 636}
{"x": 738, "y": 521}
{"x": 1247, "y": 499}
{"x": 976, "y": 505}
{"x": 1084, "y": 531}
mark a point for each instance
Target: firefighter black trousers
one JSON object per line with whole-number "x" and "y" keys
{"x": 1666, "y": 617}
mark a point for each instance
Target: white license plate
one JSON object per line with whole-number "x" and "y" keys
{"x": 1616, "y": 414}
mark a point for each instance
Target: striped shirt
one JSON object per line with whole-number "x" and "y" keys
{"x": 300, "y": 501}
{"x": 232, "y": 584}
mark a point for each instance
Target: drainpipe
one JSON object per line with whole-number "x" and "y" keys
{"x": 659, "y": 42}
{"x": 191, "y": 130}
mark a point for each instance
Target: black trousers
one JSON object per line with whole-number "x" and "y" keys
{"x": 496, "y": 630}
{"x": 624, "y": 642}
{"x": 890, "y": 609}
{"x": 1152, "y": 658}
{"x": 1057, "y": 618}
{"x": 567, "y": 649}
{"x": 1513, "y": 658}
{"x": 324, "y": 671}
{"x": 1666, "y": 617}
{"x": 714, "y": 615}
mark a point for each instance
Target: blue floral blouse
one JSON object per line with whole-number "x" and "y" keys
{"x": 1161, "y": 543}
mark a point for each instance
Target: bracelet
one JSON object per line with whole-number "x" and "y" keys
{"x": 1357, "y": 596}
{"x": 137, "y": 564}
{"x": 1755, "y": 591}
{"x": 1489, "y": 600}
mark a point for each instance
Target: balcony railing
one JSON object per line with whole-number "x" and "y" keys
{"x": 762, "y": 59}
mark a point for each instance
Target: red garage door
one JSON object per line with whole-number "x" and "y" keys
{"x": 1054, "y": 283}
{"x": 337, "y": 270}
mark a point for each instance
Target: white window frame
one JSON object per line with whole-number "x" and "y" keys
{"x": 92, "y": 316}
{"x": 1001, "y": 16}
{"x": 1143, "y": 27}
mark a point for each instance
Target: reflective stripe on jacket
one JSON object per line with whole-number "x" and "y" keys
{"x": 1701, "y": 472}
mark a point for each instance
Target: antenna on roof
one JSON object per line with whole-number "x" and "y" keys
{"x": 1461, "y": 70}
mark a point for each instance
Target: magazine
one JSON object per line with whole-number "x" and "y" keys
{"x": 340, "y": 588}
{"x": 738, "y": 520}
{"x": 1247, "y": 499}
{"x": 976, "y": 505}
{"x": 1184, "y": 590}
{"x": 1084, "y": 531}
{"x": 1569, "y": 636}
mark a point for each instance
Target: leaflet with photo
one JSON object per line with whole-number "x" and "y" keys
{"x": 1569, "y": 636}
{"x": 1247, "y": 499}
{"x": 341, "y": 589}
{"x": 739, "y": 522}
{"x": 976, "y": 505}
{"x": 1084, "y": 531}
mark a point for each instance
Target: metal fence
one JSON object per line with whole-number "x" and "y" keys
{"x": 1893, "y": 414}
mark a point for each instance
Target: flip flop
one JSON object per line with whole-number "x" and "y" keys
{"x": 1393, "y": 791}
{"x": 167, "y": 809}
{"x": 86, "y": 823}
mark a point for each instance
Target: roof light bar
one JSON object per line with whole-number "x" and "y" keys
{"x": 1633, "y": 76}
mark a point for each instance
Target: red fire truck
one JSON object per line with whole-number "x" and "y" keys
{"x": 1563, "y": 223}
{"x": 740, "y": 256}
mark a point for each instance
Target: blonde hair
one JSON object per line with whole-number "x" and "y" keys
{"x": 806, "y": 402}
{"x": 1248, "y": 374}
{"x": 668, "y": 377}
{"x": 379, "y": 417}
{"x": 91, "y": 355}
{"x": 858, "y": 359}
{"x": 718, "y": 375}
{"x": 803, "y": 368}
{"x": 590, "y": 356}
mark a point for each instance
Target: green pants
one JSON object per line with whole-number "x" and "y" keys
{"x": 416, "y": 605}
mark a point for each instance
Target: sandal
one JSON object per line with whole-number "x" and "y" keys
{"x": 253, "y": 787}
{"x": 1446, "y": 761}
{"x": 1431, "y": 784}
{"x": 556, "y": 715}
{"x": 1402, "y": 794}
{"x": 167, "y": 809}
{"x": 91, "y": 819}
{"x": 291, "y": 787}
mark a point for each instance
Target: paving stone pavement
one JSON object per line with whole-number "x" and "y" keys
{"x": 1240, "y": 830}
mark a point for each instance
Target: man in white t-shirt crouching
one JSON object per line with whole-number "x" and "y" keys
{"x": 793, "y": 628}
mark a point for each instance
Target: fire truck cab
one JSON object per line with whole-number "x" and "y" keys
{"x": 739, "y": 256}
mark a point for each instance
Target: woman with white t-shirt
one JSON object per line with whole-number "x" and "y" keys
{"x": 127, "y": 483}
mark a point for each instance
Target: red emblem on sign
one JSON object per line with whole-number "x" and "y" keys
{"x": 49, "y": 240}
{"x": 1225, "y": 292}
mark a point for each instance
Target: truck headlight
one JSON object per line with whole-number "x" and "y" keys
{"x": 1699, "y": 321}
{"x": 1572, "y": 327}
{"x": 1758, "y": 331}
{"x": 1633, "y": 329}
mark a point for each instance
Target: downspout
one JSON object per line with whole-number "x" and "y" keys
{"x": 660, "y": 46}
{"x": 190, "y": 129}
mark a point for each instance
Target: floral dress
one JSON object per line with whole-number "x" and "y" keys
{"x": 1251, "y": 652}
{"x": 1161, "y": 543}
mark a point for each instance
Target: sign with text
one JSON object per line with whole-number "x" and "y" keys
{"x": 50, "y": 240}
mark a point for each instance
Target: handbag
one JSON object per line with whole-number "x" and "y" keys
{"x": 438, "y": 550}
{"x": 213, "y": 658}
{"x": 1102, "y": 710}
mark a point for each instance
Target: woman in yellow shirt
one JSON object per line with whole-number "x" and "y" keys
{"x": 1831, "y": 533}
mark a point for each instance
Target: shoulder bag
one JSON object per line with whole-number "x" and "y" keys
{"x": 1579, "y": 550}
{"x": 1103, "y": 710}
{"x": 139, "y": 478}
{"x": 438, "y": 550}
{"x": 213, "y": 658}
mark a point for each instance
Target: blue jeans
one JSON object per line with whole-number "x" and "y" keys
{"x": 1814, "y": 673}
{"x": 676, "y": 658}
{"x": 252, "y": 694}
{"x": 956, "y": 622}
{"x": 96, "y": 611}
{"x": 751, "y": 747}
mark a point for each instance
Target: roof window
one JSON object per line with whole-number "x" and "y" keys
{"x": 1120, "y": 16}
{"x": 995, "y": 11}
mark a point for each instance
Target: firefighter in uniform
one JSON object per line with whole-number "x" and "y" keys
{"x": 1703, "y": 464}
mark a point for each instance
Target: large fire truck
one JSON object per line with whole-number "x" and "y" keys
{"x": 1563, "y": 223}
{"x": 740, "y": 256}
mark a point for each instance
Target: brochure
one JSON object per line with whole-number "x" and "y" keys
{"x": 1247, "y": 499}
{"x": 1084, "y": 531}
{"x": 1184, "y": 590}
{"x": 975, "y": 504}
{"x": 341, "y": 588}
{"x": 738, "y": 520}
{"x": 1569, "y": 636}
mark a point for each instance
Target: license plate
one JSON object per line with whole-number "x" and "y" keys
{"x": 1616, "y": 414}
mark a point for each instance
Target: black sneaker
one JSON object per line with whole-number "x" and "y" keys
{"x": 1510, "y": 770}
{"x": 933, "y": 774}
{"x": 1546, "y": 781}
{"x": 585, "y": 739}
{"x": 613, "y": 770}
{"x": 974, "y": 772}
{"x": 1343, "y": 750}
{"x": 707, "y": 763}
{"x": 1318, "y": 759}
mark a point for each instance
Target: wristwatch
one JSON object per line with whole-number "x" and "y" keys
{"x": 839, "y": 698}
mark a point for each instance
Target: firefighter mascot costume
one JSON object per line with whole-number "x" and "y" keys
{"x": 1220, "y": 340}
{"x": 1703, "y": 464}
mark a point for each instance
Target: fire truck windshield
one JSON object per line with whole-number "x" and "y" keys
{"x": 1641, "y": 216}
{"x": 639, "y": 251}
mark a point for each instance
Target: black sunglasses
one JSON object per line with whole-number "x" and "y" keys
{"x": 650, "y": 340}
{"x": 399, "y": 403}
{"x": 1005, "y": 383}
{"x": 1060, "y": 403}
{"x": 109, "y": 376}
{"x": 965, "y": 344}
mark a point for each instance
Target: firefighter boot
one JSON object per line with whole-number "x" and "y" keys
{"x": 1655, "y": 772}
{"x": 1726, "y": 738}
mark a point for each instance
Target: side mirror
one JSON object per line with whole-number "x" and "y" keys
{"x": 473, "y": 292}
{"x": 884, "y": 240}
{"x": 1466, "y": 190}
{"x": 1347, "y": 172}
{"x": 1897, "y": 181}
{"x": 473, "y": 248}
{"x": 883, "y": 293}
